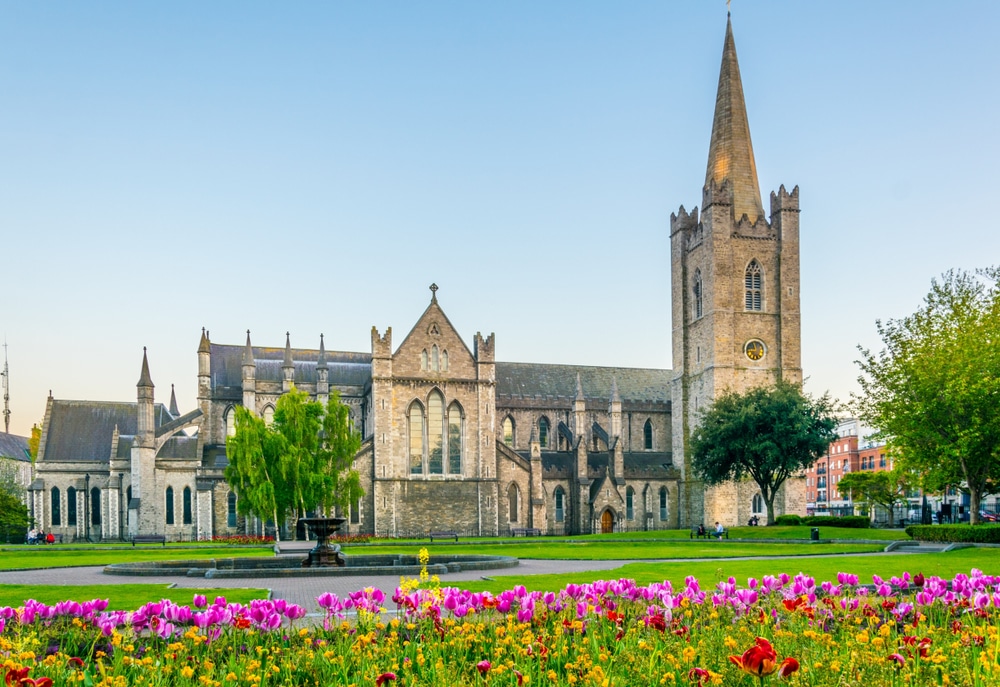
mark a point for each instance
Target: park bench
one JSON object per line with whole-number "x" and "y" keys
{"x": 443, "y": 535}
{"x": 525, "y": 532}
{"x": 149, "y": 539}
{"x": 709, "y": 534}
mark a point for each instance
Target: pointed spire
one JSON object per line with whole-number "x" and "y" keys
{"x": 288, "y": 351}
{"x": 730, "y": 153}
{"x": 321, "y": 361}
{"x": 615, "y": 397}
{"x": 579, "y": 388}
{"x": 248, "y": 352}
{"x": 203, "y": 345}
{"x": 173, "y": 403}
{"x": 144, "y": 379}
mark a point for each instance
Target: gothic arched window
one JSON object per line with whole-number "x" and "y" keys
{"x": 754, "y": 285}
{"x": 454, "y": 439}
{"x": 423, "y": 360}
{"x": 170, "y": 505}
{"x": 630, "y": 504}
{"x": 435, "y": 432}
{"x": 231, "y": 509}
{"x": 435, "y": 359}
{"x": 757, "y": 505}
{"x": 512, "y": 502}
{"x": 560, "y": 505}
{"x": 647, "y": 435}
{"x": 663, "y": 503}
{"x": 188, "y": 515}
{"x": 416, "y": 438}
{"x": 230, "y": 420}
{"x": 95, "y": 506}
{"x": 543, "y": 432}
{"x": 508, "y": 431}
{"x": 444, "y": 361}
{"x": 56, "y": 514}
{"x": 268, "y": 415}
{"x": 698, "y": 310}
{"x": 71, "y": 506}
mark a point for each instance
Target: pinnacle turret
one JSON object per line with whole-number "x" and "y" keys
{"x": 321, "y": 361}
{"x": 730, "y": 153}
{"x": 287, "y": 362}
{"x": 204, "y": 345}
{"x": 173, "y": 403}
{"x": 144, "y": 378}
{"x": 248, "y": 352}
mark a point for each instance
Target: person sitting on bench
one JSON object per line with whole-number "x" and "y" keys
{"x": 719, "y": 530}
{"x": 701, "y": 530}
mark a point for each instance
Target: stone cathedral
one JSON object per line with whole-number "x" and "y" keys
{"x": 454, "y": 439}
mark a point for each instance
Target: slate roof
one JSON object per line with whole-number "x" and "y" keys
{"x": 638, "y": 464}
{"x": 540, "y": 379}
{"x": 14, "y": 446}
{"x": 82, "y": 430}
{"x": 346, "y": 369}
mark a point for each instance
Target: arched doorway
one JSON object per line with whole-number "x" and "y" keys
{"x": 607, "y": 522}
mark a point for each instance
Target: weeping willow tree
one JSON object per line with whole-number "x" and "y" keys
{"x": 301, "y": 463}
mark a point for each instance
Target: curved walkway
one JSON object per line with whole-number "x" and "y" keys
{"x": 304, "y": 590}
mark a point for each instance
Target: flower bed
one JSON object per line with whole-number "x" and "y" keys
{"x": 786, "y": 630}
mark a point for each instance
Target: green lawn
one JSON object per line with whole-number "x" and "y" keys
{"x": 120, "y": 596}
{"x": 27, "y": 557}
{"x": 710, "y": 572}
{"x": 604, "y": 550}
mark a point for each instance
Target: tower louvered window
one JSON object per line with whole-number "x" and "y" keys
{"x": 754, "y": 287}
{"x": 698, "y": 308}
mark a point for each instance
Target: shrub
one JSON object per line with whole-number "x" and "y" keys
{"x": 858, "y": 522}
{"x": 788, "y": 520}
{"x": 975, "y": 534}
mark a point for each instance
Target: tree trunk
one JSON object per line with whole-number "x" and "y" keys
{"x": 770, "y": 508}
{"x": 975, "y": 498}
{"x": 892, "y": 514}
{"x": 277, "y": 528}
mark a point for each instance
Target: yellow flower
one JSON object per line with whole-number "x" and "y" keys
{"x": 187, "y": 672}
{"x": 861, "y": 637}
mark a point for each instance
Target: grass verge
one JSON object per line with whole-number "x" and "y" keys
{"x": 56, "y": 557}
{"x": 710, "y": 572}
{"x": 120, "y": 596}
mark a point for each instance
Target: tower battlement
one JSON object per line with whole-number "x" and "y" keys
{"x": 683, "y": 221}
{"x": 382, "y": 344}
{"x": 484, "y": 348}
{"x": 783, "y": 201}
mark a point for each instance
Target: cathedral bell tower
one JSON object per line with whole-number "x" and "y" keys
{"x": 735, "y": 296}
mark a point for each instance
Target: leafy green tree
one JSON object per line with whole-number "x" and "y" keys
{"x": 301, "y": 463}
{"x": 884, "y": 489}
{"x": 34, "y": 440}
{"x": 14, "y": 518}
{"x": 934, "y": 390}
{"x": 767, "y": 434}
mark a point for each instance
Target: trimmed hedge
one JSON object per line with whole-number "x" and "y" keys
{"x": 789, "y": 519}
{"x": 857, "y": 522}
{"x": 974, "y": 534}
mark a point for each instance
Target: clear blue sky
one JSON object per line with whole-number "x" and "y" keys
{"x": 313, "y": 167}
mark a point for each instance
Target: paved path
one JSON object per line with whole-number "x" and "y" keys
{"x": 304, "y": 590}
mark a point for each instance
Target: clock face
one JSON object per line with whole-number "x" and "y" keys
{"x": 754, "y": 349}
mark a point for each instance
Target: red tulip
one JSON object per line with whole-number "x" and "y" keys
{"x": 698, "y": 676}
{"x": 758, "y": 660}
{"x": 898, "y": 658}
{"x": 15, "y": 675}
{"x": 483, "y": 667}
{"x": 787, "y": 667}
{"x": 384, "y": 678}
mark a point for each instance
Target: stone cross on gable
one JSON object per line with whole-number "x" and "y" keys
{"x": 434, "y": 296}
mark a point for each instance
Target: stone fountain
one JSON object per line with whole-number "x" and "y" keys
{"x": 324, "y": 554}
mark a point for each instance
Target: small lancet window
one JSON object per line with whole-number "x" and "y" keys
{"x": 698, "y": 307}
{"x": 444, "y": 361}
{"x": 423, "y": 360}
{"x": 543, "y": 432}
{"x": 435, "y": 363}
{"x": 754, "y": 280}
{"x": 647, "y": 435}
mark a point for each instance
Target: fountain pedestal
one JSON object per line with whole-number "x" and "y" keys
{"x": 324, "y": 554}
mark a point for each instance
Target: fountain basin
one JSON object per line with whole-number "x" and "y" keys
{"x": 354, "y": 565}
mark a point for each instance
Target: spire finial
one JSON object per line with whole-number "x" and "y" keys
{"x": 288, "y": 350}
{"x": 144, "y": 378}
{"x": 173, "y": 403}
{"x": 203, "y": 345}
{"x": 321, "y": 361}
{"x": 434, "y": 295}
{"x": 248, "y": 352}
